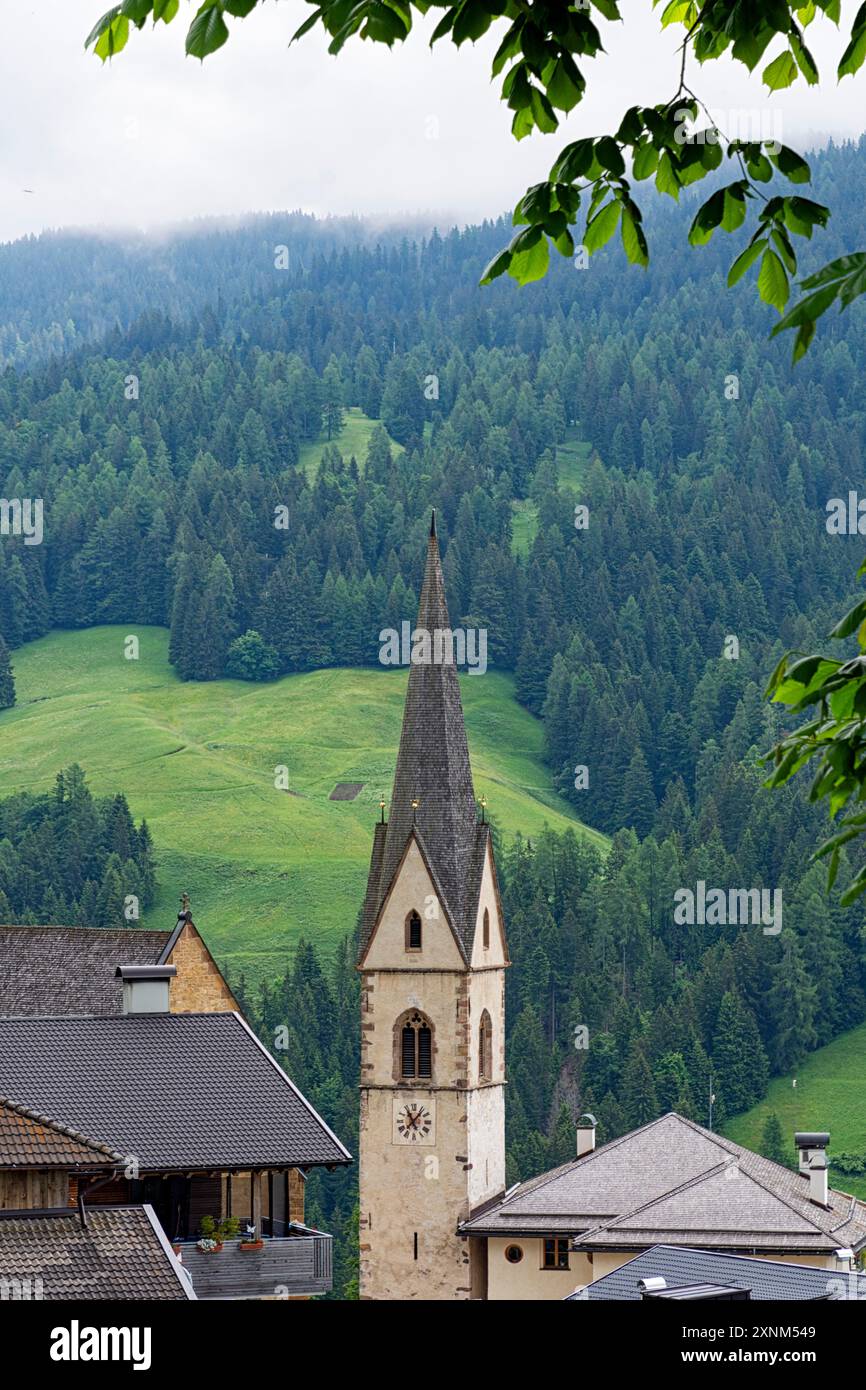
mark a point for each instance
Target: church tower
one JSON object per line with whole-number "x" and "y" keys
{"x": 432, "y": 961}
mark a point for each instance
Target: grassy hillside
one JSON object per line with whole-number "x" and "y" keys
{"x": 573, "y": 455}
{"x": 198, "y": 762}
{"x": 353, "y": 438}
{"x": 829, "y": 1095}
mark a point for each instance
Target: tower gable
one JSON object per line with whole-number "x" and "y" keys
{"x": 413, "y": 890}
{"x": 488, "y": 946}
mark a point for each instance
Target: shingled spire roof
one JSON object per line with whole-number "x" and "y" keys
{"x": 433, "y": 770}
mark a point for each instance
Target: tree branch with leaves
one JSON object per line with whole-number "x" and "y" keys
{"x": 543, "y": 58}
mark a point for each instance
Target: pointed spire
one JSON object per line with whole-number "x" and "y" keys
{"x": 433, "y": 780}
{"x": 433, "y": 522}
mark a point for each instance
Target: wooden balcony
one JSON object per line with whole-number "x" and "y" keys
{"x": 290, "y": 1266}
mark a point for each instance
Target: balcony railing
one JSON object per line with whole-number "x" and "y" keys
{"x": 286, "y": 1267}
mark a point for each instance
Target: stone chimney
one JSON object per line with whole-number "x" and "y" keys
{"x": 586, "y": 1135}
{"x": 146, "y": 988}
{"x": 812, "y": 1146}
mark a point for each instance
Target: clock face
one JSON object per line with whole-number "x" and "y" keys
{"x": 414, "y": 1122}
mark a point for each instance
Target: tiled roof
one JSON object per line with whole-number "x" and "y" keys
{"x": 433, "y": 769}
{"x": 31, "y": 1140}
{"x": 122, "y": 1254}
{"x": 767, "y": 1279}
{"x": 176, "y": 1091}
{"x": 673, "y": 1181}
{"x": 70, "y": 970}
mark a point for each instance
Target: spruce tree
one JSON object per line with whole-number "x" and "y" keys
{"x": 7, "y": 680}
{"x": 772, "y": 1139}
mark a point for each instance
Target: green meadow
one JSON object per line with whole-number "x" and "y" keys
{"x": 829, "y": 1095}
{"x": 353, "y": 439}
{"x": 199, "y": 761}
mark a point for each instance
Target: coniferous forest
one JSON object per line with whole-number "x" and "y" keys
{"x": 161, "y": 402}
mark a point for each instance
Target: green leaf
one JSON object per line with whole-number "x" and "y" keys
{"x": 165, "y": 10}
{"x": 785, "y": 249}
{"x": 207, "y": 33}
{"x": 805, "y": 61}
{"x": 633, "y": 238}
{"x": 543, "y": 113}
{"x": 497, "y": 266}
{"x": 851, "y": 621}
{"x": 666, "y": 177}
{"x": 707, "y": 218}
{"x": 472, "y": 20}
{"x": 735, "y": 208}
{"x": 530, "y": 260}
{"x": 113, "y": 38}
{"x": 746, "y": 259}
{"x": 609, "y": 155}
{"x": 781, "y": 72}
{"x": 101, "y": 26}
{"x": 601, "y": 228}
{"x": 646, "y": 159}
{"x": 835, "y": 270}
{"x": 852, "y": 59}
{"x": 565, "y": 86}
{"x": 789, "y": 163}
{"x": 137, "y": 11}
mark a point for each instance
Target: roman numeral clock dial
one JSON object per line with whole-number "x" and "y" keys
{"x": 414, "y": 1122}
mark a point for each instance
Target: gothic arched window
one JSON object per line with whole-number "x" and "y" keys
{"x": 413, "y": 932}
{"x": 416, "y": 1047}
{"x": 485, "y": 930}
{"x": 485, "y": 1048}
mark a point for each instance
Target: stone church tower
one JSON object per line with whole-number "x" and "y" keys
{"x": 432, "y": 961}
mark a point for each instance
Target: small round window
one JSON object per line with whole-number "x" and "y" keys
{"x": 513, "y": 1254}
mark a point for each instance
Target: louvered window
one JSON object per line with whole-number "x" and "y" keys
{"x": 413, "y": 932}
{"x": 416, "y": 1048}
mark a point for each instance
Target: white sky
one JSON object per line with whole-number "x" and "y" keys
{"x": 155, "y": 137}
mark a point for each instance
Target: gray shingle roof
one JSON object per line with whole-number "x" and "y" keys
{"x": 121, "y": 1255}
{"x": 177, "y": 1091}
{"x": 70, "y": 970}
{"x": 432, "y": 768}
{"x": 670, "y": 1182}
{"x": 767, "y": 1279}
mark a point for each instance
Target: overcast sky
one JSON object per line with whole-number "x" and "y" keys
{"x": 156, "y": 137}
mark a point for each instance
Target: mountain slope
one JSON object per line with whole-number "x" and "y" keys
{"x": 199, "y": 762}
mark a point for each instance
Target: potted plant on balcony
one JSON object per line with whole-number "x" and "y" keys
{"x": 214, "y": 1232}
{"x": 249, "y": 1242}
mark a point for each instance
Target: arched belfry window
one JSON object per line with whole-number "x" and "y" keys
{"x": 485, "y": 930}
{"x": 485, "y": 1048}
{"x": 416, "y": 1047}
{"x": 413, "y": 932}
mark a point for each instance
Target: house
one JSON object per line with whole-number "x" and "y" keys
{"x": 677, "y": 1272}
{"x": 120, "y": 1253}
{"x": 432, "y": 961}
{"x": 73, "y": 970}
{"x": 670, "y": 1183}
{"x": 124, "y": 1095}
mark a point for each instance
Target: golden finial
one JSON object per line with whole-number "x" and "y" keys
{"x": 382, "y": 809}
{"x": 483, "y": 808}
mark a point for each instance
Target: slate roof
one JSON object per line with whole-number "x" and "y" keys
{"x": 70, "y": 970}
{"x": 177, "y": 1091}
{"x": 31, "y": 1140}
{"x": 674, "y": 1182}
{"x": 122, "y": 1254}
{"x": 432, "y": 768}
{"x": 767, "y": 1279}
